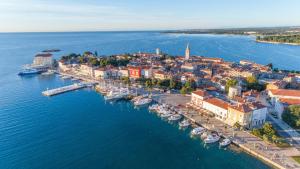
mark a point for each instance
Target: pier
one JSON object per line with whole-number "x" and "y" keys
{"x": 64, "y": 89}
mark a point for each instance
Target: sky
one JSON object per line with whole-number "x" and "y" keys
{"x": 117, "y": 15}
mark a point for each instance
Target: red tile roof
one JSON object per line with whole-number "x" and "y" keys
{"x": 285, "y": 92}
{"x": 201, "y": 93}
{"x": 218, "y": 102}
{"x": 290, "y": 101}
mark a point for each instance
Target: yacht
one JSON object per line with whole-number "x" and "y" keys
{"x": 166, "y": 115}
{"x": 184, "y": 123}
{"x": 142, "y": 102}
{"x": 153, "y": 107}
{"x": 198, "y": 131}
{"x": 212, "y": 138}
{"x": 116, "y": 95}
{"x": 29, "y": 71}
{"x": 175, "y": 117}
{"x": 225, "y": 142}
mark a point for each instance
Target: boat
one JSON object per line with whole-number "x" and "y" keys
{"x": 116, "y": 95}
{"x": 49, "y": 72}
{"x": 29, "y": 71}
{"x": 225, "y": 142}
{"x": 142, "y": 102}
{"x": 212, "y": 138}
{"x": 184, "y": 123}
{"x": 153, "y": 107}
{"x": 166, "y": 115}
{"x": 175, "y": 117}
{"x": 198, "y": 131}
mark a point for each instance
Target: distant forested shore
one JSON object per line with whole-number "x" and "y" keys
{"x": 284, "y": 39}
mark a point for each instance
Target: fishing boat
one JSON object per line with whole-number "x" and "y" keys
{"x": 175, "y": 117}
{"x": 225, "y": 142}
{"x": 198, "y": 131}
{"x": 184, "y": 123}
{"x": 212, "y": 138}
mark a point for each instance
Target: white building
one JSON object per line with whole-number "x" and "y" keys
{"x": 217, "y": 106}
{"x": 123, "y": 72}
{"x": 146, "y": 72}
{"x": 86, "y": 70}
{"x": 234, "y": 91}
{"x": 43, "y": 59}
{"x": 198, "y": 97}
{"x": 101, "y": 73}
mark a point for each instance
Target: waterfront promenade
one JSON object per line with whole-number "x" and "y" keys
{"x": 270, "y": 153}
{"x": 275, "y": 156}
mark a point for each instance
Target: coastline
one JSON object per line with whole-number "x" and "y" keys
{"x": 272, "y": 42}
{"x": 215, "y": 125}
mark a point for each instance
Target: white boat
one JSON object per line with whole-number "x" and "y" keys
{"x": 142, "y": 102}
{"x": 116, "y": 95}
{"x": 225, "y": 142}
{"x": 166, "y": 115}
{"x": 184, "y": 123}
{"x": 198, "y": 131}
{"x": 175, "y": 117}
{"x": 153, "y": 107}
{"x": 29, "y": 71}
{"x": 212, "y": 138}
{"x": 49, "y": 72}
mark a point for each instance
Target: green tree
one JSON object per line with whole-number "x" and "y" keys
{"x": 230, "y": 83}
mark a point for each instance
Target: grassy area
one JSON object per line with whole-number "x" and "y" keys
{"x": 296, "y": 158}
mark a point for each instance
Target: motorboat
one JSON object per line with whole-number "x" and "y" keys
{"x": 198, "y": 131}
{"x": 225, "y": 142}
{"x": 153, "y": 107}
{"x": 29, "y": 71}
{"x": 212, "y": 138}
{"x": 175, "y": 117}
{"x": 166, "y": 115}
{"x": 116, "y": 95}
{"x": 184, "y": 123}
{"x": 142, "y": 102}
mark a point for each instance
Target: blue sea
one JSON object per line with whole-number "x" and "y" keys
{"x": 80, "y": 130}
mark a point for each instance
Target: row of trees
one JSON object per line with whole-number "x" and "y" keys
{"x": 92, "y": 59}
{"x": 280, "y": 38}
{"x": 269, "y": 134}
{"x": 167, "y": 84}
{"x": 292, "y": 116}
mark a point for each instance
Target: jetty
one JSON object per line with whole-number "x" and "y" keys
{"x": 64, "y": 89}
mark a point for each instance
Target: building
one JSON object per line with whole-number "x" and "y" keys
{"x": 43, "y": 59}
{"x": 217, "y": 106}
{"x": 248, "y": 115}
{"x": 234, "y": 91}
{"x": 161, "y": 75}
{"x": 282, "y": 104}
{"x": 86, "y": 70}
{"x": 198, "y": 97}
{"x": 187, "y": 52}
{"x": 147, "y": 72}
{"x": 101, "y": 73}
{"x": 123, "y": 72}
{"x": 135, "y": 72}
{"x": 188, "y": 67}
{"x": 158, "y": 51}
{"x": 64, "y": 67}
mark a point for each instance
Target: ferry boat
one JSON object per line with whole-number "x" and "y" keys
{"x": 184, "y": 123}
{"x": 198, "y": 131}
{"x": 175, "y": 117}
{"x": 225, "y": 142}
{"x": 212, "y": 138}
{"x": 29, "y": 71}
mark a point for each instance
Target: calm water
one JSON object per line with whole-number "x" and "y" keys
{"x": 79, "y": 130}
